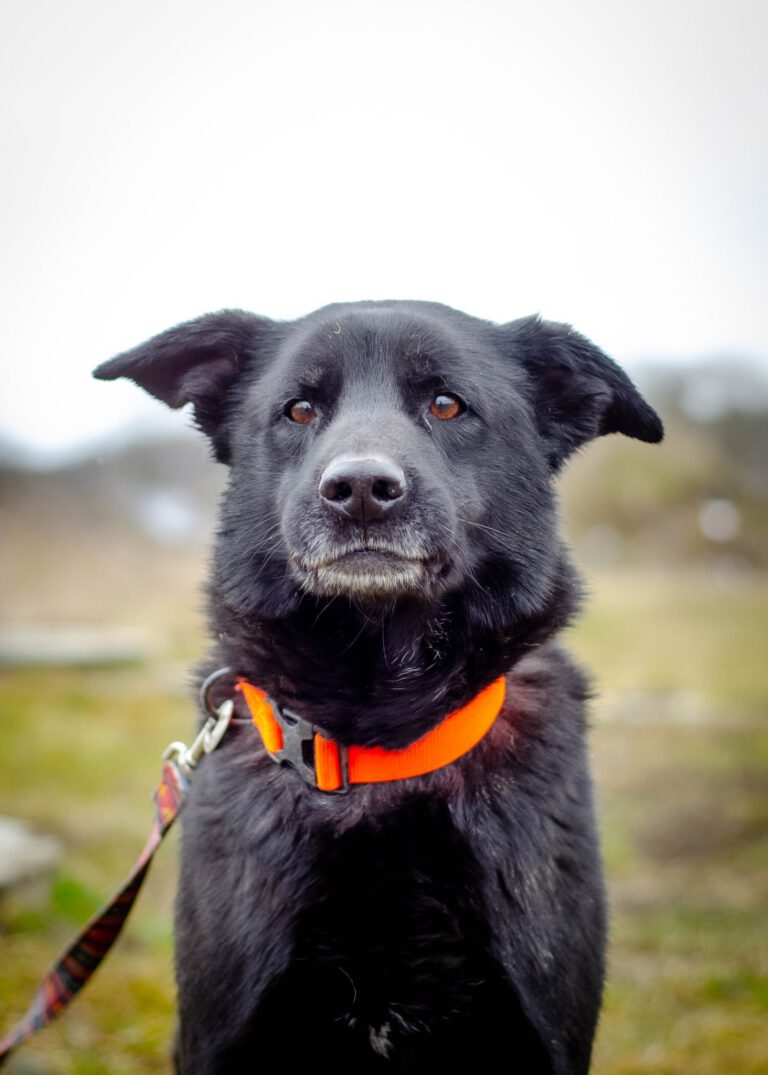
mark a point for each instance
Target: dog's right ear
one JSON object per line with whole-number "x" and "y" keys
{"x": 197, "y": 362}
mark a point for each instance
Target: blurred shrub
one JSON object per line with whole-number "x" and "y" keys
{"x": 701, "y": 497}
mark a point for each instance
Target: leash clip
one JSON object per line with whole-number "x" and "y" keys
{"x": 210, "y": 735}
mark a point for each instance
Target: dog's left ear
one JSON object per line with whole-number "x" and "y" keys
{"x": 579, "y": 393}
{"x": 197, "y": 362}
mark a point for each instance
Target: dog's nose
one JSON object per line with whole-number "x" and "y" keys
{"x": 363, "y": 487}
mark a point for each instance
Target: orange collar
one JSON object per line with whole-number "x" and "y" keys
{"x": 324, "y": 764}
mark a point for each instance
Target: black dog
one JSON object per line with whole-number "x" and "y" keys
{"x": 387, "y": 549}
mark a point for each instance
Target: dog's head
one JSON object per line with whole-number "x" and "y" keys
{"x": 390, "y": 451}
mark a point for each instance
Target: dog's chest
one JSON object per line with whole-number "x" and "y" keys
{"x": 394, "y": 941}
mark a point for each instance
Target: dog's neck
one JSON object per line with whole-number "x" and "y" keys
{"x": 381, "y": 677}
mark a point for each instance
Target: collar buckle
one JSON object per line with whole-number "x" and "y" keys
{"x": 298, "y": 749}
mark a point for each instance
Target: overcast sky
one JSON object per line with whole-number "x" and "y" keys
{"x": 602, "y": 161}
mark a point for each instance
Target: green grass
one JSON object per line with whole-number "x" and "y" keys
{"x": 700, "y": 637}
{"x": 684, "y": 814}
{"x": 680, "y": 748}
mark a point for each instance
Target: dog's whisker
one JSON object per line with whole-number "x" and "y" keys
{"x": 352, "y": 983}
{"x": 325, "y": 608}
{"x": 483, "y": 526}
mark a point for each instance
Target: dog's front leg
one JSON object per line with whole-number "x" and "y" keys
{"x": 247, "y": 868}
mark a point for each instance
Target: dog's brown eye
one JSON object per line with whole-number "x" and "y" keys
{"x": 446, "y": 406}
{"x": 301, "y": 411}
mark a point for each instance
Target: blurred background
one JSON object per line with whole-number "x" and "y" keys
{"x": 604, "y": 163}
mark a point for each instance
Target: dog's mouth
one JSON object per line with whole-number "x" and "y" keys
{"x": 372, "y": 572}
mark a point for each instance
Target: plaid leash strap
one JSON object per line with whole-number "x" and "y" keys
{"x": 77, "y": 963}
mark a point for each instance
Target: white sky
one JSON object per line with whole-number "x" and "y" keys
{"x": 602, "y": 161}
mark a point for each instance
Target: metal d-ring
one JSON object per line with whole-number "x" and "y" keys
{"x": 205, "y": 690}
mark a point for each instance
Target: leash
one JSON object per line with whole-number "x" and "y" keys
{"x": 77, "y": 963}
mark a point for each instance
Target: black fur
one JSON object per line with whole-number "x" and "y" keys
{"x": 455, "y": 917}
